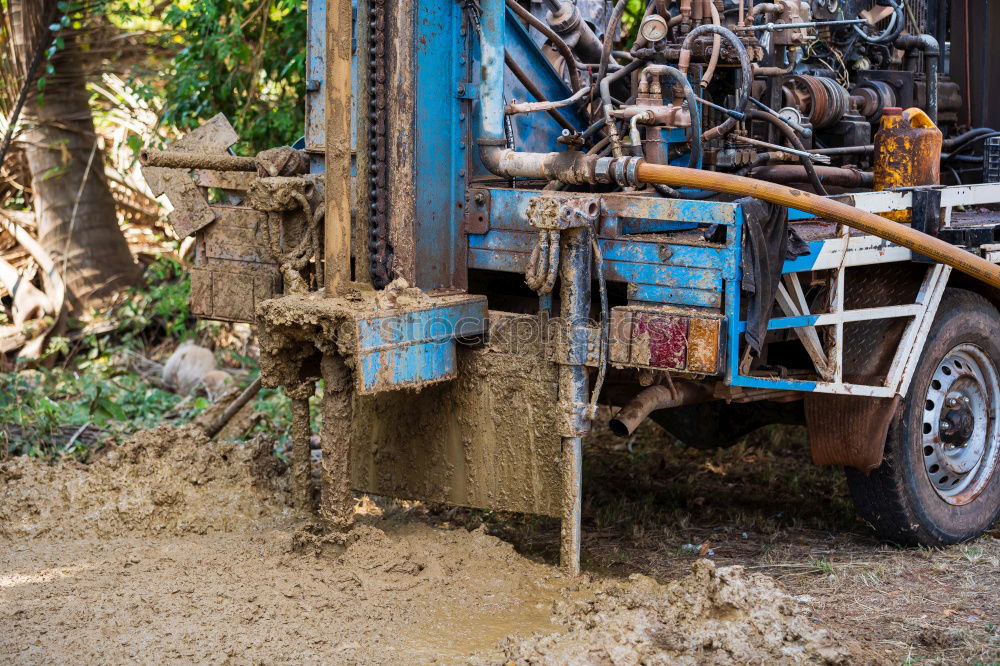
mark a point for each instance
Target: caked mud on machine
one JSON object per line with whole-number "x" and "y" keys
{"x": 718, "y": 214}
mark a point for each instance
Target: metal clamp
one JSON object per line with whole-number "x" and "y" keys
{"x": 552, "y": 214}
{"x": 621, "y": 170}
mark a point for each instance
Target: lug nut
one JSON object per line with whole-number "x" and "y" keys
{"x": 944, "y": 425}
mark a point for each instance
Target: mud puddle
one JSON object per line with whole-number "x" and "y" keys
{"x": 176, "y": 549}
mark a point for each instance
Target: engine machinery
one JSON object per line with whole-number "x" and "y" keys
{"x": 505, "y": 215}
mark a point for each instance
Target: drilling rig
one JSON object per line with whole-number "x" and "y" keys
{"x": 508, "y": 218}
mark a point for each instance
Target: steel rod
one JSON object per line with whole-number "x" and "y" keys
{"x": 574, "y": 295}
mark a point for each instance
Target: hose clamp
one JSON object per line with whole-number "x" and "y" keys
{"x": 619, "y": 170}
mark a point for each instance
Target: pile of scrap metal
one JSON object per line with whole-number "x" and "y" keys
{"x": 559, "y": 213}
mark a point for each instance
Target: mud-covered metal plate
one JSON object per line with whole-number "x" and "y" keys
{"x": 488, "y": 439}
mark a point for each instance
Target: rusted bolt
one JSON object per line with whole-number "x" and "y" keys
{"x": 480, "y": 198}
{"x": 461, "y": 90}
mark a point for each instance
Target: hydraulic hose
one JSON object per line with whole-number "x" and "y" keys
{"x": 609, "y": 38}
{"x": 891, "y": 32}
{"x": 746, "y": 74}
{"x": 793, "y": 139}
{"x": 827, "y": 209}
{"x": 557, "y": 41}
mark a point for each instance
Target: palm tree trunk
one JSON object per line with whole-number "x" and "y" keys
{"x": 77, "y": 222}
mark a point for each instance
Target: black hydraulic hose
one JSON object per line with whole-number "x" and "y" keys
{"x": 609, "y": 38}
{"x": 793, "y": 139}
{"x": 605, "y": 87}
{"x": 593, "y": 129}
{"x": 550, "y": 34}
{"x": 965, "y": 136}
{"x": 890, "y": 33}
{"x": 959, "y": 147}
{"x": 746, "y": 75}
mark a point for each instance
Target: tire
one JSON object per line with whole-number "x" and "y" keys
{"x": 939, "y": 483}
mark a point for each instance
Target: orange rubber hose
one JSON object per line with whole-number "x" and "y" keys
{"x": 827, "y": 209}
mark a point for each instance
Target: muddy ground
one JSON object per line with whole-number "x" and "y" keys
{"x": 172, "y": 548}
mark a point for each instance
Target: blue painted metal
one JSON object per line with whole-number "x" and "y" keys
{"x": 775, "y": 384}
{"x": 410, "y": 365}
{"x": 400, "y": 348}
{"x": 315, "y": 117}
{"x": 615, "y": 271}
{"x": 644, "y": 226}
{"x": 657, "y": 271}
{"x": 536, "y": 132}
{"x": 509, "y": 209}
{"x": 686, "y": 256}
{"x": 649, "y": 293}
{"x": 783, "y": 323}
{"x": 439, "y": 151}
{"x": 461, "y": 319}
{"x": 805, "y": 262}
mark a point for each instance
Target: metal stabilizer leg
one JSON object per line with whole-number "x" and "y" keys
{"x": 575, "y": 310}
{"x": 337, "y": 501}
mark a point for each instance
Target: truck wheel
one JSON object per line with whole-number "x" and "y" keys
{"x": 939, "y": 481}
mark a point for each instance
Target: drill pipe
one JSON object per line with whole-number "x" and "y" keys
{"x": 828, "y": 209}
{"x": 213, "y": 162}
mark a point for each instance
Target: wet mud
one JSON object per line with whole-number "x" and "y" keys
{"x": 174, "y": 548}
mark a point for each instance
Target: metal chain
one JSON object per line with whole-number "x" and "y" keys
{"x": 380, "y": 253}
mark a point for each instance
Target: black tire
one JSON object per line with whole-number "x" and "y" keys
{"x": 902, "y": 498}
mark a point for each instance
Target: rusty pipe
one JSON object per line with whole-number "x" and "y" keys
{"x": 177, "y": 160}
{"x": 827, "y": 209}
{"x": 657, "y": 397}
{"x": 836, "y": 176}
{"x": 713, "y": 60}
{"x": 765, "y": 8}
{"x": 932, "y": 54}
{"x": 572, "y": 166}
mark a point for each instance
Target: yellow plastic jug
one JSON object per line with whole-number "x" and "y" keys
{"x": 907, "y": 150}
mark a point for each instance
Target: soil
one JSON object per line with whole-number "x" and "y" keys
{"x": 174, "y": 548}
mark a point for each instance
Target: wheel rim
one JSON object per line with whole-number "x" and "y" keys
{"x": 960, "y": 426}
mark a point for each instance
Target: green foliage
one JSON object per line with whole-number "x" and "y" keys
{"x": 243, "y": 58}
{"x": 634, "y": 10}
{"x": 42, "y": 409}
{"x": 162, "y": 304}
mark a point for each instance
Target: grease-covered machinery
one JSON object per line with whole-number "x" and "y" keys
{"x": 506, "y": 214}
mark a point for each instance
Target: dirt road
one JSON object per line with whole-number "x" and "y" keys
{"x": 175, "y": 549}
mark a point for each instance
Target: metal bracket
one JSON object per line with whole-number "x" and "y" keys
{"x": 926, "y": 217}
{"x": 574, "y": 345}
{"x": 553, "y": 214}
{"x": 477, "y": 211}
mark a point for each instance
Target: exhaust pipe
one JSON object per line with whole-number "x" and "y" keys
{"x": 657, "y": 397}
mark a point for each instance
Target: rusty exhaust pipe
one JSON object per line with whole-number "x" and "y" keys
{"x": 657, "y": 397}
